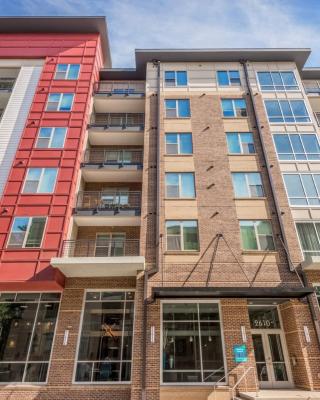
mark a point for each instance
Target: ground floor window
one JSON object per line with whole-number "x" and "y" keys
{"x": 192, "y": 343}
{"x": 105, "y": 349}
{"x": 27, "y": 325}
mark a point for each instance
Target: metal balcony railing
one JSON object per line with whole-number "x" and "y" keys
{"x": 6, "y": 84}
{"x": 113, "y": 157}
{"x": 118, "y": 120}
{"x": 105, "y": 200}
{"x": 128, "y": 88}
{"x": 101, "y": 247}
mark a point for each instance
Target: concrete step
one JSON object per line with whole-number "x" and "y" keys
{"x": 280, "y": 395}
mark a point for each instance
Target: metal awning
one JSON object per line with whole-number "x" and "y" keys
{"x": 230, "y": 292}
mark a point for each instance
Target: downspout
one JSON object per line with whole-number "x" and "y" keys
{"x": 302, "y": 278}
{"x": 154, "y": 270}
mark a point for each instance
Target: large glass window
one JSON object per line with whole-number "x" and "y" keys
{"x": 182, "y": 235}
{"x": 277, "y": 81}
{"x": 240, "y": 143}
{"x": 256, "y": 235}
{"x": 247, "y": 184}
{"x": 228, "y": 78}
{"x": 234, "y": 108}
{"x": 180, "y": 185}
{"x": 303, "y": 189}
{"x": 192, "y": 345}
{"x": 105, "y": 348}
{"x": 27, "y": 325}
{"x": 178, "y": 143}
{"x": 176, "y": 78}
{"x": 40, "y": 180}
{"x": 59, "y": 102}
{"x": 51, "y": 138}
{"x": 67, "y": 71}
{"x": 26, "y": 232}
{"x": 297, "y": 146}
{"x": 177, "y": 108}
{"x": 287, "y": 111}
{"x": 309, "y": 236}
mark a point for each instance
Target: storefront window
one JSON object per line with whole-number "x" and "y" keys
{"x": 105, "y": 350}
{"x": 27, "y": 325}
{"x": 264, "y": 317}
{"x": 192, "y": 344}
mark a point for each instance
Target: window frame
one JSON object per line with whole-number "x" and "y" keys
{"x": 300, "y": 134}
{"x": 257, "y": 235}
{"x": 61, "y": 94}
{"x": 178, "y": 144}
{"x": 274, "y": 85}
{"x": 233, "y": 100}
{"x": 27, "y": 232}
{"x": 74, "y": 381}
{"x": 177, "y": 116}
{"x": 175, "y": 72}
{"x": 110, "y": 247}
{"x": 317, "y": 285}
{"x": 67, "y": 72}
{"x": 303, "y": 221}
{"x": 248, "y": 185}
{"x": 38, "y": 302}
{"x": 180, "y": 223}
{"x": 229, "y": 80}
{"x": 53, "y": 128}
{"x": 180, "y": 186}
{"x": 241, "y": 144}
{"x": 40, "y": 181}
{"x": 198, "y": 301}
{"x": 303, "y": 187}
{"x": 295, "y": 122}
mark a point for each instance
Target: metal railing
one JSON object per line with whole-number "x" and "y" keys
{"x": 120, "y": 120}
{"x": 113, "y": 157}
{"x": 105, "y": 200}
{"x": 120, "y": 88}
{"x": 6, "y": 84}
{"x": 101, "y": 247}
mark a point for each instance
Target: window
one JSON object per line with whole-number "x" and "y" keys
{"x": 228, "y": 78}
{"x": 59, "y": 102}
{"x": 317, "y": 289}
{"x": 256, "y": 235}
{"x": 179, "y": 143}
{"x": 67, "y": 71}
{"x": 40, "y": 180}
{"x": 51, "y": 138}
{"x": 110, "y": 245}
{"x": 297, "y": 146}
{"x": 28, "y": 323}
{"x": 234, "y": 108}
{"x": 176, "y": 78}
{"x": 192, "y": 349}
{"x": 309, "y": 236}
{"x": 247, "y": 184}
{"x": 26, "y": 232}
{"x": 240, "y": 143}
{"x": 303, "y": 189}
{"x": 277, "y": 81}
{"x": 180, "y": 185}
{"x": 177, "y": 108}
{"x": 105, "y": 348}
{"x": 182, "y": 235}
{"x": 286, "y": 111}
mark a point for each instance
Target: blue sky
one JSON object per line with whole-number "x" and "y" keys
{"x": 190, "y": 23}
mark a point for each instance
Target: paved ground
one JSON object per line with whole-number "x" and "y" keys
{"x": 282, "y": 395}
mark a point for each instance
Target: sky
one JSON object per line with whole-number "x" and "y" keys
{"x": 190, "y": 23}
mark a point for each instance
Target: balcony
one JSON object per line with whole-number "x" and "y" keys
{"x": 119, "y": 96}
{"x": 102, "y": 257}
{"x": 108, "y": 208}
{"x": 116, "y": 129}
{"x": 105, "y": 165}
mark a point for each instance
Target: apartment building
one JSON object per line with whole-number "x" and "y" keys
{"x": 160, "y": 225}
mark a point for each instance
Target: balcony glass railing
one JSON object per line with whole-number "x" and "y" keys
{"x": 103, "y": 246}
{"x": 128, "y": 88}
{"x": 6, "y": 84}
{"x": 113, "y": 157}
{"x": 118, "y": 120}
{"x": 106, "y": 200}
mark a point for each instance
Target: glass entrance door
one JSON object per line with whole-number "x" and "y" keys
{"x": 271, "y": 360}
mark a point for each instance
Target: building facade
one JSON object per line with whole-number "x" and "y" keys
{"x": 160, "y": 226}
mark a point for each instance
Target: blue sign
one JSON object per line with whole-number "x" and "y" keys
{"x": 240, "y": 353}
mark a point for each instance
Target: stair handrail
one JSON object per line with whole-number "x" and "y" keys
{"x": 222, "y": 378}
{"x": 245, "y": 372}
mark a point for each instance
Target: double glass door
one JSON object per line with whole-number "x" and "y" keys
{"x": 271, "y": 359}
